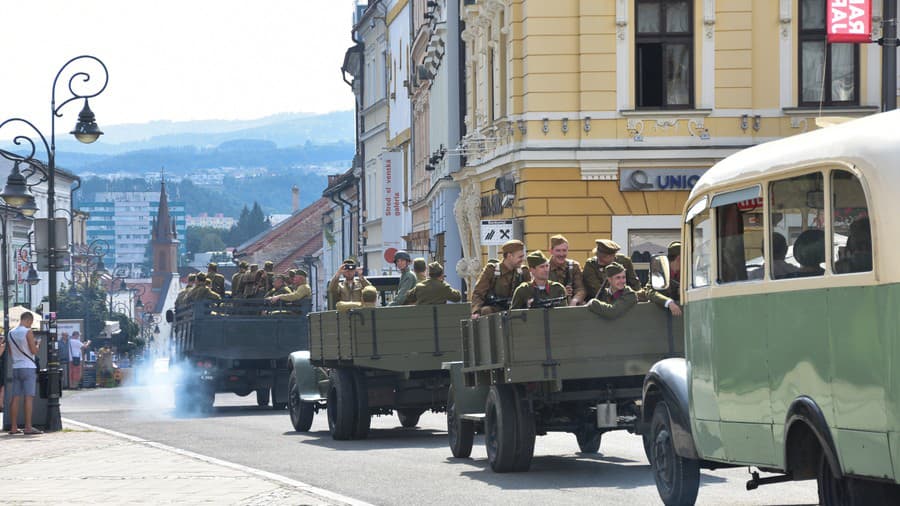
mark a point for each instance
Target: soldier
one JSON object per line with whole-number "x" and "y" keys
{"x": 216, "y": 280}
{"x": 530, "y": 293}
{"x": 248, "y": 282}
{"x": 369, "y": 296}
{"x": 435, "y": 290}
{"x": 269, "y": 268}
{"x": 180, "y": 299}
{"x": 566, "y": 271}
{"x": 279, "y": 287}
{"x": 350, "y": 288}
{"x": 499, "y": 279}
{"x": 408, "y": 280}
{"x": 301, "y": 288}
{"x": 202, "y": 290}
{"x": 607, "y": 252}
{"x": 670, "y": 297}
{"x": 616, "y": 299}
{"x": 237, "y": 289}
{"x": 419, "y": 268}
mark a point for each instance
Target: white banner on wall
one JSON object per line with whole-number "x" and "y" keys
{"x": 392, "y": 199}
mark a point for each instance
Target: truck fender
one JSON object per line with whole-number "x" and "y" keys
{"x": 307, "y": 376}
{"x": 667, "y": 381}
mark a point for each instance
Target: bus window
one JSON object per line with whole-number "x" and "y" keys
{"x": 739, "y": 232}
{"x": 701, "y": 235}
{"x": 852, "y": 236}
{"x": 796, "y": 214}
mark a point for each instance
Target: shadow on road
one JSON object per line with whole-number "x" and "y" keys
{"x": 378, "y": 439}
{"x": 229, "y": 412}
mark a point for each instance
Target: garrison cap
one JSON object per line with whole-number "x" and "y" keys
{"x": 512, "y": 246}
{"x": 536, "y": 258}
{"x": 201, "y": 276}
{"x": 435, "y": 269}
{"x": 419, "y": 265}
{"x": 350, "y": 261}
{"x": 607, "y": 246}
{"x": 557, "y": 239}
{"x": 301, "y": 272}
{"x": 674, "y": 249}
{"x": 369, "y": 294}
{"x": 613, "y": 269}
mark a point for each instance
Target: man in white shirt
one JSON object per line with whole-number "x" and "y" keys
{"x": 75, "y": 355}
{"x": 23, "y": 348}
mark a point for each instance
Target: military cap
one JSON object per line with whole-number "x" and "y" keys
{"x": 191, "y": 277}
{"x": 435, "y": 269}
{"x": 254, "y": 267}
{"x": 512, "y": 246}
{"x": 350, "y": 261}
{"x": 269, "y": 265}
{"x": 212, "y": 265}
{"x": 402, "y": 255}
{"x": 494, "y": 261}
{"x": 557, "y": 239}
{"x": 674, "y": 249}
{"x": 243, "y": 264}
{"x": 613, "y": 269}
{"x": 419, "y": 265}
{"x": 536, "y": 258}
{"x": 201, "y": 276}
{"x": 301, "y": 272}
{"x": 369, "y": 294}
{"x": 607, "y": 246}
{"x": 291, "y": 273}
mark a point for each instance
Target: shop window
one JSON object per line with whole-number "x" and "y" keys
{"x": 664, "y": 54}
{"x": 797, "y": 214}
{"x": 701, "y": 249}
{"x": 850, "y": 227}
{"x": 644, "y": 244}
{"x": 829, "y": 73}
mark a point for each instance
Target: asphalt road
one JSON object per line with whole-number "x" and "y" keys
{"x": 405, "y": 466}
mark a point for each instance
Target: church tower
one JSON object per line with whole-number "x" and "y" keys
{"x": 164, "y": 243}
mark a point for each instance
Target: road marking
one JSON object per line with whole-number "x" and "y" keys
{"x": 305, "y": 487}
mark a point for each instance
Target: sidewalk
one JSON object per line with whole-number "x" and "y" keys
{"x": 80, "y": 465}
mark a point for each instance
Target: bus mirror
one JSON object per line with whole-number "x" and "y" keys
{"x": 659, "y": 272}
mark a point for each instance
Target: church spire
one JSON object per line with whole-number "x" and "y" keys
{"x": 163, "y": 242}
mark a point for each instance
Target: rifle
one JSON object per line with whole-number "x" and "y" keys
{"x": 498, "y": 302}
{"x": 548, "y": 303}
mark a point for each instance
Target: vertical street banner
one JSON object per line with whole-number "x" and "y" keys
{"x": 391, "y": 199}
{"x": 849, "y": 21}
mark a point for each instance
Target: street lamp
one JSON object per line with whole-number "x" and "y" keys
{"x": 17, "y": 190}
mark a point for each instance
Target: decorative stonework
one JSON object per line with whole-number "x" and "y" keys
{"x": 599, "y": 172}
{"x": 621, "y": 18}
{"x": 784, "y": 18}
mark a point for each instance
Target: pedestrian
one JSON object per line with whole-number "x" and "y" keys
{"x": 76, "y": 354}
{"x": 23, "y": 348}
{"x": 2, "y": 369}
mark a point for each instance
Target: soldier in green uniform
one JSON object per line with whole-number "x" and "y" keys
{"x": 180, "y": 299}
{"x": 348, "y": 289}
{"x": 407, "y": 279}
{"x": 419, "y": 268}
{"x": 566, "y": 271}
{"x": 615, "y": 299}
{"x": 237, "y": 289}
{"x": 530, "y": 293}
{"x": 279, "y": 287}
{"x": 202, "y": 291}
{"x": 217, "y": 281}
{"x": 669, "y": 298}
{"x": 249, "y": 282}
{"x": 498, "y": 280}
{"x": 369, "y": 296}
{"x": 301, "y": 288}
{"x": 269, "y": 268}
{"x": 435, "y": 290}
{"x": 606, "y": 253}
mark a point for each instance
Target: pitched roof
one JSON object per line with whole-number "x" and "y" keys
{"x": 294, "y": 236}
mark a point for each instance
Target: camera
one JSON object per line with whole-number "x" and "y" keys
{"x": 349, "y": 267}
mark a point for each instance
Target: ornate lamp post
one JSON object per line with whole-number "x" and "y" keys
{"x": 17, "y": 193}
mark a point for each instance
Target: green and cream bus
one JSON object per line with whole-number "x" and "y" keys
{"x": 790, "y": 283}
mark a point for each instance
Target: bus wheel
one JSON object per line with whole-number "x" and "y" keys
{"x": 500, "y": 428}
{"x": 677, "y": 478}
{"x": 301, "y": 412}
{"x": 461, "y": 433}
{"x": 341, "y": 405}
{"x": 589, "y": 440}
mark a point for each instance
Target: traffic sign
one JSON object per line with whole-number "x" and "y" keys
{"x": 496, "y": 232}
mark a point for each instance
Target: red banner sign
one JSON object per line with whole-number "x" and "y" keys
{"x": 849, "y": 21}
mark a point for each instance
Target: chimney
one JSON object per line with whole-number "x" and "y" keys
{"x": 295, "y": 199}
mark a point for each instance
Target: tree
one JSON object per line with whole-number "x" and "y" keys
{"x": 251, "y": 223}
{"x": 87, "y": 302}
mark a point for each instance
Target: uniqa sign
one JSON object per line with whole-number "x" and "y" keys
{"x": 849, "y": 21}
{"x": 655, "y": 180}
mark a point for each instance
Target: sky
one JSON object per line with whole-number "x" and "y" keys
{"x": 176, "y": 60}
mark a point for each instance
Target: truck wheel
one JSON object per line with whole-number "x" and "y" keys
{"x": 363, "y": 419}
{"x": 677, "y": 478}
{"x": 461, "y": 433}
{"x": 341, "y": 405}
{"x": 409, "y": 417}
{"x": 301, "y": 412}
{"x": 525, "y": 432}
{"x": 589, "y": 440}
{"x": 262, "y": 397}
{"x": 500, "y": 428}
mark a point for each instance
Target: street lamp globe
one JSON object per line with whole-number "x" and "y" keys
{"x": 16, "y": 192}
{"x": 139, "y": 304}
{"x": 33, "y": 277}
{"x": 86, "y": 129}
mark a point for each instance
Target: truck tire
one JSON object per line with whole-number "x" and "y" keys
{"x": 341, "y": 405}
{"x": 677, "y": 478}
{"x": 262, "y": 397}
{"x": 525, "y": 431}
{"x": 362, "y": 418}
{"x": 409, "y": 417}
{"x": 589, "y": 440}
{"x": 500, "y": 428}
{"x": 461, "y": 433}
{"x": 301, "y": 412}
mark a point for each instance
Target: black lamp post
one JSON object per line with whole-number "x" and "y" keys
{"x": 17, "y": 193}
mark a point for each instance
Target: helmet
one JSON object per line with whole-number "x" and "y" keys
{"x": 402, "y": 255}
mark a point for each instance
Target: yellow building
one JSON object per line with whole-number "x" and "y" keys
{"x": 594, "y": 118}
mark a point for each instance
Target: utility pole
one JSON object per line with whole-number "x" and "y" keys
{"x": 889, "y": 57}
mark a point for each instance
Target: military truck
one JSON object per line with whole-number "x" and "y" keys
{"x": 374, "y": 361}
{"x": 532, "y": 371}
{"x": 235, "y": 345}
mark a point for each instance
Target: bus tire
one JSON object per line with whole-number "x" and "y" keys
{"x": 301, "y": 413}
{"x": 500, "y": 428}
{"x": 677, "y": 478}
{"x": 461, "y": 433}
{"x": 341, "y": 405}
